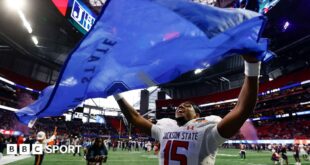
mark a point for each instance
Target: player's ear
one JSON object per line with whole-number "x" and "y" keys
{"x": 197, "y": 115}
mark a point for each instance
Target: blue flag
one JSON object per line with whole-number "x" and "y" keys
{"x": 138, "y": 43}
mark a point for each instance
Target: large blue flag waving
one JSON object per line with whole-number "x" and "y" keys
{"x": 138, "y": 43}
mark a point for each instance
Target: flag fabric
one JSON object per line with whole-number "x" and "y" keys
{"x": 135, "y": 42}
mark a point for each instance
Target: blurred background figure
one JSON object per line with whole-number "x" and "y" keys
{"x": 242, "y": 151}
{"x": 275, "y": 157}
{"x": 41, "y": 139}
{"x": 303, "y": 152}
{"x": 2, "y": 145}
{"x": 296, "y": 154}
{"x": 86, "y": 145}
{"x": 97, "y": 153}
{"x": 76, "y": 143}
{"x": 283, "y": 155}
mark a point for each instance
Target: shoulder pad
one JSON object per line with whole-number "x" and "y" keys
{"x": 165, "y": 122}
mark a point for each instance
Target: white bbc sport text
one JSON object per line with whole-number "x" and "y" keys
{"x": 37, "y": 149}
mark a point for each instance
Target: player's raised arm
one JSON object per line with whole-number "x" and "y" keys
{"x": 234, "y": 120}
{"x": 53, "y": 137}
{"x": 132, "y": 115}
{"x": 55, "y": 131}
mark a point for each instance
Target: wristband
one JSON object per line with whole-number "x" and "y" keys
{"x": 118, "y": 96}
{"x": 252, "y": 69}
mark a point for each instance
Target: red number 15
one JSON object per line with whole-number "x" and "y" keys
{"x": 174, "y": 145}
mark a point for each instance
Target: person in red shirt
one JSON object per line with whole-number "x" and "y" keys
{"x": 156, "y": 148}
{"x": 20, "y": 140}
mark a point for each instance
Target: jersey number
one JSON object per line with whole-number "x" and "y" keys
{"x": 174, "y": 145}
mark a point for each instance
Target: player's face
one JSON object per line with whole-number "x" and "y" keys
{"x": 185, "y": 110}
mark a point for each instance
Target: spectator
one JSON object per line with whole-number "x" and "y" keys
{"x": 296, "y": 154}
{"x": 20, "y": 140}
{"x": 76, "y": 143}
{"x": 275, "y": 157}
{"x": 97, "y": 153}
{"x": 242, "y": 151}
{"x": 2, "y": 145}
{"x": 41, "y": 139}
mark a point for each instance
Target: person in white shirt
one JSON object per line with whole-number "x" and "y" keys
{"x": 148, "y": 146}
{"x": 303, "y": 152}
{"x": 191, "y": 139}
{"x": 41, "y": 139}
{"x": 76, "y": 143}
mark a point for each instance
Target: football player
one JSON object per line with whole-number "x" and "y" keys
{"x": 192, "y": 139}
{"x": 41, "y": 139}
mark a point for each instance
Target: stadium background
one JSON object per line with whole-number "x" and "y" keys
{"x": 37, "y": 36}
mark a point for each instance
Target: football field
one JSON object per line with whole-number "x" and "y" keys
{"x": 224, "y": 157}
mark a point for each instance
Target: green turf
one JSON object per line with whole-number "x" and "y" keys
{"x": 225, "y": 157}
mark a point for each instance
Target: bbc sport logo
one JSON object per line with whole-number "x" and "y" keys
{"x": 38, "y": 149}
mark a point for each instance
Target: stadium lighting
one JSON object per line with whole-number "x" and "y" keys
{"x": 305, "y": 103}
{"x": 16, "y": 85}
{"x": 305, "y": 82}
{"x": 28, "y": 27}
{"x": 15, "y": 4}
{"x": 303, "y": 113}
{"x": 286, "y": 25}
{"x": 7, "y": 81}
{"x": 35, "y": 40}
{"x": 219, "y": 102}
{"x": 25, "y": 22}
{"x": 8, "y": 108}
{"x": 277, "y": 141}
{"x": 197, "y": 71}
{"x": 29, "y": 89}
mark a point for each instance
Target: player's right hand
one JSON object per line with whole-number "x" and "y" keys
{"x": 55, "y": 131}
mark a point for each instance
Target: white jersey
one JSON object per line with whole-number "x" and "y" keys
{"x": 302, "y": 149}
{"x": 46, "y": 141}
{"x": 192, "y": 144}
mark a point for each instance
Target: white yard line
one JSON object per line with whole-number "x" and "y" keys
{"x": 227, "y": 155}
{"x": 11, "y": 158}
